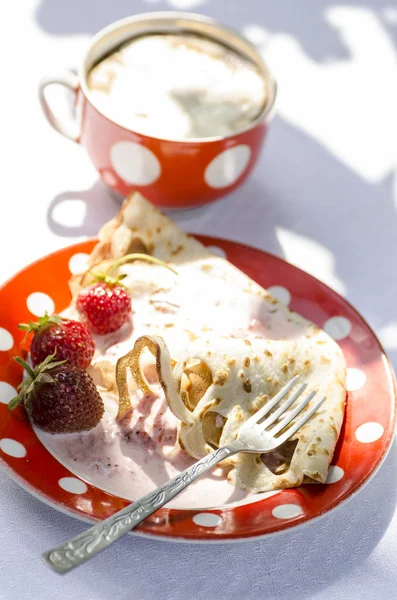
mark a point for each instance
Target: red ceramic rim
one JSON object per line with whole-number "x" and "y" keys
{"x": 365, "y": 439}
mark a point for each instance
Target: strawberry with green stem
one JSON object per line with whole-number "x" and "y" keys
{"x": 106, "y": 304}
{"x": 59, "y": 398}
{"x": 70, "y": 340}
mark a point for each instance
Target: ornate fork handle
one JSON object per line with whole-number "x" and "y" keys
{"x": 84, "y": 546}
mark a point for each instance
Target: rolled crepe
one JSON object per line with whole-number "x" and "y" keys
{"x": 223, "y": 346}
{"x": 218, "y": 383}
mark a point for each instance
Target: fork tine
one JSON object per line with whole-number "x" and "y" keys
{"x": 280, "y": 426}
{"x": 265, "y": 409}
{"x": 292, "y": 430}
{"x": 285, "y": 406}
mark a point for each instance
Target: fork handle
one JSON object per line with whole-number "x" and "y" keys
{"x": 84, "y": 546}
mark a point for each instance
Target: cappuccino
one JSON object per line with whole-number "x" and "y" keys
{"x": 178, "y": 87}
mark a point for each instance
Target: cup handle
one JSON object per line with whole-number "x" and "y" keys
{"x": 68, "y": 128}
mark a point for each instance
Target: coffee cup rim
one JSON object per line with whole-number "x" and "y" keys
{"x": 178, "y": 18}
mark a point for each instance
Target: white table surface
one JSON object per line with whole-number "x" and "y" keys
{"x": 324, "y": 196}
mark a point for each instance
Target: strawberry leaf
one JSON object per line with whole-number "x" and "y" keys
{"x": 44, "y": 378}
{"x": 47, "y": 360}
{"x": 110, "y": 281}
{"x": 35, "y": 376}
{"x": 25, "y": 366}
{"x": 52, "y": 365}
{"x": 14, "y": 402}
{"x": 28, "y": 389}
{"x": 41, "y": 323}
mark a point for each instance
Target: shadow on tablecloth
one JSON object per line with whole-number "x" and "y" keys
{"x": 75, "y": 17}
{"x": 77, "y": 213}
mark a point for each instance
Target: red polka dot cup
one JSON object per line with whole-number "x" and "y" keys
{"x": 170, "y": 173}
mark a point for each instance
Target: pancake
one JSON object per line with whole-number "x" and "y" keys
{"x": 221, "y": 346}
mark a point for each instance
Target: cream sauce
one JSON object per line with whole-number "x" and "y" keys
{"x": 131, "y": 458}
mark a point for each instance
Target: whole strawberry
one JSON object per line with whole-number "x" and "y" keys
{"x": 105, "y": 306}
{"x": 67, "y": 339}
{"x": 60, "y": 398}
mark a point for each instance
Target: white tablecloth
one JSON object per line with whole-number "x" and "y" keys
{"x": 324, "y": 196}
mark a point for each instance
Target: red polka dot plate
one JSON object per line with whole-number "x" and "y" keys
{"x": 365, "y": 439}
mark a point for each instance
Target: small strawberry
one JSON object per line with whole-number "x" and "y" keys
{"x": 60, "y": 398}
{"x": 68, "y": 339}
{"x": 106, "y": 304}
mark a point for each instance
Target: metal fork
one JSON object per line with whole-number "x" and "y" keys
{"x": 253, "y": 436}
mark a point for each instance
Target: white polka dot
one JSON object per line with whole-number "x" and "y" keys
{"x": 207, "y": 520}
{"x": 218, "y": 251}
{"x": 286, "y": 511}
{"x": 281, "y": 293}
{"x": 135, "y": 163}
{"x": 73, "y": 485}
{"x": 39, "y": 303}
{"x": 228, "y": 166}
{"x": 78, "y": 263}
{"x": 12, "y": 448}
{"x": 355, "y": 379}
{"x": 335, "y": 473}
{"x": 6, "y": 339}
{"x": 338, "y": 327}
{"x": 7, "y": 392}
{"x": 369, "y": 432}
